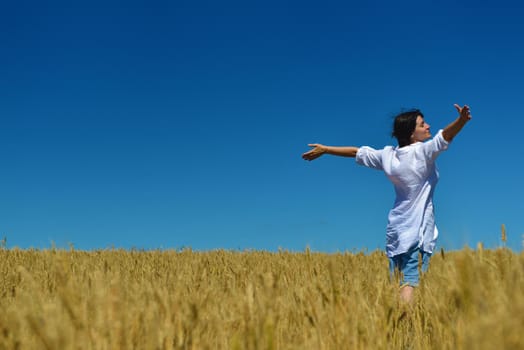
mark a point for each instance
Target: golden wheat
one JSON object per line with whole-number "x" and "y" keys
{"x": 120, "y": 299}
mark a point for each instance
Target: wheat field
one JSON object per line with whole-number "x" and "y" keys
{"x": 169, "y": 299}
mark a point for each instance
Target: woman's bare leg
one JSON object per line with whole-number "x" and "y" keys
{"x": 406, "y": 293}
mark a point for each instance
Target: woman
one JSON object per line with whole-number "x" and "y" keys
{"x": 411, "y": 168}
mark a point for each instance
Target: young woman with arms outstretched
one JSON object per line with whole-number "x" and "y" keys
{"x": 411, "y": 229}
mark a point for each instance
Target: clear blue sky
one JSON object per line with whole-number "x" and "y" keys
{"x": 169, "y": 124}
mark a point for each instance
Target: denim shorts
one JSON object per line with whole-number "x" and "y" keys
{"x": 406, "y": 266}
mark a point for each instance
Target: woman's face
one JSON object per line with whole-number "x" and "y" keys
{"x": 421, "y": 132}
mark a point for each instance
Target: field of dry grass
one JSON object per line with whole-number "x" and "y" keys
{"x": 121, "y": 299}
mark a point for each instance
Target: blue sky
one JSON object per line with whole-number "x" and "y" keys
{"x": 181, "y": 123}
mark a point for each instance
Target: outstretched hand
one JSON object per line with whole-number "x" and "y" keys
{"x": 316, "y": 152}
{"x": 464, "y": 112}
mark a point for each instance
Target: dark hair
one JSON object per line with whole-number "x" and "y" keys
{"x": 404, "y": 125}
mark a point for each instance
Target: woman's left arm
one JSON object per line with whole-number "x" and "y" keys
{"x": 454, "y": 128}
{"x": 319, "y": 149}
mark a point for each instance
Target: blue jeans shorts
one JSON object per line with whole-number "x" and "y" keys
{"x": 406, "y": 266}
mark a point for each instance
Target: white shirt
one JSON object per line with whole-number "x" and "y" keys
{"x": 412, "y": 170}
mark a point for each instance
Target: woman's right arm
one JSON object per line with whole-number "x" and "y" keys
{"x": 319, "y": 150}
{"x": 454, "y": 128}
